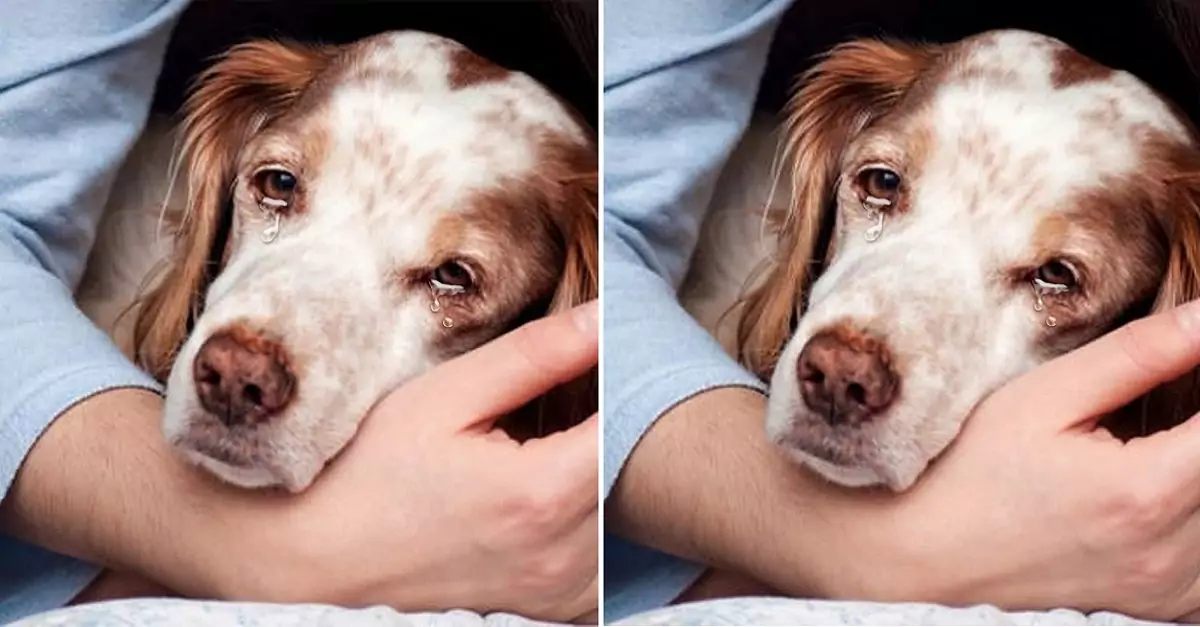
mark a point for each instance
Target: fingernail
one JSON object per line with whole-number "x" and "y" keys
{"x": 587, "y": 316}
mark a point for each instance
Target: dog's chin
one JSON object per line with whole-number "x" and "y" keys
{"x": 233, "y": 472}
{"x": 848, "y": 476}
{"x": 845, "y": 457}
{"x": 249, "y": 471}
{"x": 841, "y": 470}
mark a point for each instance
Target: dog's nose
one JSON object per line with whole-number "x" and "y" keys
{"x": 242, "y": 378}
{"x": 846, "y": 376}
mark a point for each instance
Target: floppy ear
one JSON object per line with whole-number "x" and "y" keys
{"x": 246, "y": 89}
{"x": 580, "y": 280}
{"x": 579, "y": 283}
{"x": 1175, "y": 402}
{"x": 850, "y": 87}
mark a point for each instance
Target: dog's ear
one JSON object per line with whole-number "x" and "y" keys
{"x": 851, "y": 86}
{"x": 579, "y": 230}
{"x": 246, "y": 89}
{"x": 1175, "y": 402}
{"x": 579, "y": 283}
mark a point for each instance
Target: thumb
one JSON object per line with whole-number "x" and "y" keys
{"x": 1114, "y": 370}
{"x": 502, "y": 375}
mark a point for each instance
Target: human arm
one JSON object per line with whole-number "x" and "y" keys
{"x": 76, "y": 79}
{"x": 680, "y": 83}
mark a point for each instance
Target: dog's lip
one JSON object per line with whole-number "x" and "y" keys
{"x": 833, "y": 454}
{"x": 841, "y": 446}
{"x": 218, "y": 449}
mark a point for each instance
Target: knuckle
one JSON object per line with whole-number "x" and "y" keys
{"x": 557, "y": 573}
{"x": 1152, "y": 572}
{"x": 536, "y": 349}
{"x": 539, "y": 508}
{"x": 555, "y": 569}
{"x": 1140, "y": 348}
{"x": 1138, "y": 511}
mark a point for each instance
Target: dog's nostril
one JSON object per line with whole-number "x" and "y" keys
{"x": 253, "y": 394}
{"x": 845, "y": 376}
{"x": 856, "y": 393}
{"x": 242, "y": 378}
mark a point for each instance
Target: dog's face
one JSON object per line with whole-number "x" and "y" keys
{"x": 994, "y": 203}
{"x": 388, "y": 205}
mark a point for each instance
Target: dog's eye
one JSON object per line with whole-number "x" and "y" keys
{"x": 278, "y": 185}
{"x": 880, "y": 183}
{"x": 1057, "y": 272}
{"x": 453, "y": 274}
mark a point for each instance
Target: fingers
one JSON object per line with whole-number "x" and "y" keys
{"x": 1117, "y": 368}
{"x": 573, "y": 456}
{"x": 515, "y": 368}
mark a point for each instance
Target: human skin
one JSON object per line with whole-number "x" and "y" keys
{"x": 1123, "y": 533}
{"x": 102, "y": 485}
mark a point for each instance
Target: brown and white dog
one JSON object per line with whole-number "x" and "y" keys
{"x": 956, "y": 215}
{"x": 352, "y": 216}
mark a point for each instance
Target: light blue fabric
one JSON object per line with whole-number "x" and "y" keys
{"x": 680, "y": 79}
{"x": 76, "y": 82}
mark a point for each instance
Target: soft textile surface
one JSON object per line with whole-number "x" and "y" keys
{"x": 747, "y": 611}
{"x": 772, "y": 611}
{"x": 179, "y": 613}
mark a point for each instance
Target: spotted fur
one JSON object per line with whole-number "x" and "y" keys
{"x": 1014, "y": 150}
{"x": 410, "y": 150}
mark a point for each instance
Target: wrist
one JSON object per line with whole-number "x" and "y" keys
{"x": 223, "y": 542}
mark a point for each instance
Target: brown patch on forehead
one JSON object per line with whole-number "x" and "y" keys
{"x": 468, "y": 68}
{"x": 514, "y": 258}
{"x": 519, "y": 225}
{"x": 1116, "y": 236}
{"x": 1072, "y": 67}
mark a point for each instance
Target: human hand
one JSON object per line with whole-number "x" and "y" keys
{"x": 1033, "y": 507}
{"x": 429, "y": 508}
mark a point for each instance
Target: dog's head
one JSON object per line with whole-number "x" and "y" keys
{"x": 357, "y": 214}
{"x": 961, "y": 213}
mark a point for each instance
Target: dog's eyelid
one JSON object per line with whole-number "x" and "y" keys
{"x": 271, "y": 166}
{"x": 876, "y": 165}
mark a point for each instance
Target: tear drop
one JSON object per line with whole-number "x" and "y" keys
{"x": 875, "y": 231}
{"x": 271, "y": 232}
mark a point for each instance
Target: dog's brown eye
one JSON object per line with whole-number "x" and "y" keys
{"x": 452, "y": 273}
{"x": 880, "y": 183}
{"x": 278, "y": 185}
{"x": 1057, "y": 273}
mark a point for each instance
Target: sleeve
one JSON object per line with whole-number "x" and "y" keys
{"x": 76, "y": 82}
{"x": 680, "y": 81}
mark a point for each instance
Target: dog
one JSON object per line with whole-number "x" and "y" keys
{"x": 942, "y": 218}
{"x": 350, "y": 216}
